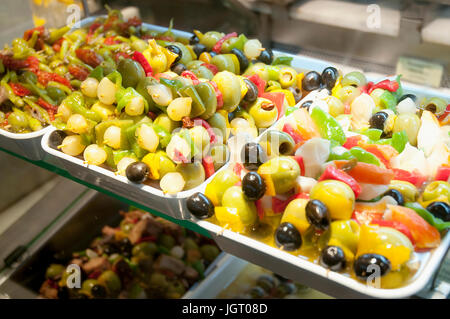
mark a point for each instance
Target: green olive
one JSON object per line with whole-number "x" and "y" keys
{"x": 337, "y": 196}
{"x": 336, "y": 107}
{"x": 193, "y": 174}
{"x": 408, "y": 190}
{"x": 209, "y": 252}
{"x": 435, "y": 105}
{"x": 354, "y": 78}
{"x": 186, "y": 55}
{"x": 131, "y": 71}
{"x": 219, "y": 124}
{"x": 139, "y": 45}
{"x": 203, "y": 72}
{"x": 234, "y": 198}
{"x": 61, "y": 70}
{"x": 263, "y": 112}
{"x": 189, "y": 244}
{"x": 226, "y": 62}
{"x": 210, "y": 38}
{"x": 111, "y": 281}
{"x": 145, "y": 248}
{"x": 166, "y": 241}
{"x": 280, "y": 174}
{"x": 287, "y": 76}
{"x": 220, "y": 155}
{"x": 410, "y": 123}
{"x": 436, "y": 189}
{"x": 277, "y": 143}
{"x": 158, "y": 280}
{"x": 56, "y": 94}
{"x": 230, "y": 87}
{"x": 208, "y": 95}
{"x": 219, "y": 184}
{"x": 88, "y": 285}
{"x": 259, "y": 69}
{"x": 18, "y": 121}
{"x": 55, "y": 271}
{"x": 347, "y": 93}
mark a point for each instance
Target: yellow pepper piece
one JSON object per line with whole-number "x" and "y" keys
{"x": 229, "y": 216}
{"x": 345, "y": 234}
{"x": 337, "y": 86}
{"x": 156, "y": 57}
{"x": 38, "y": 21}
{"x": 153, "y": 163}
{"x": 299, "y": 80}
{"x": 171, "y": 56}
{"x": 205, "y": 57}
{"x": 440, "y": 198}
{"x": 295, "y": 214}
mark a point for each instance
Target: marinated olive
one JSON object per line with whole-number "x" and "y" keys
{"x": 243, "y": 61}
{"x": 252, "y": 156}
{"x": 296, "y": 93}
{"x": 280, "y": 174}
{"x": 378, "y": 120}
{"x": 166, "y": 241}
{"x": 54, "y": 272}
{"x": 193, "y": 174}
{"x": 200, "y": 206}
{"x": 287, "y": 237}
{"x": 440, "y": 210}
{"x": 277, "y": 143}
{"x": 435, "y": 105}
{"x": 98, "y": 292}
{"x": 209, "y": 252}
{"x": 317, "y": 214}
{"x": 88, "y": 285}
{"x": 266, "y": 56}
{"x": 194, "y": 39}
{"x": 56, "y": 138}
{"x": 263, "y": 112}
{"x": 56, "y": 94}
{"x": 219, "y": 184}
{"x": 362, "y": 265}
{"x": 354, "y": 78}
{"x": 436, "y": 189}
{"x": 329, "y": 77}
{"x": 411, "y": 96}
{"x": 333, "y": 257}
{"x": 253, "y": 186}
{"x": 177, "y": 51}
{"x": 252, "y": 91}
{"x": 410, "y": 123}
{"x": 111, "y": 281}
{"x": 311, "y": 81}
{"x": 145, "y": 248}
{"x": 408, "y": 190}
{"x": 258, "y": 68}
{"x": 306, "y": 104}
{"x": 199, "y": 49}
{"x": 237, "y": 211}
{"x": 230, "y": 87}
{"x": 137, "y": 172}
{"x": 286, "y": 288}
{"x": 348, "y": 93}
{"x": 337, "y": 196}
{"x": 131, "y": 71}
{"x": 178, "y": 68}
{"x": 395, "y": 194}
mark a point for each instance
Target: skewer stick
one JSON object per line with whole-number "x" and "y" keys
{"x": 220, "y": 233}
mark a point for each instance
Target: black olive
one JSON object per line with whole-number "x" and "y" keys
{"x": 440, "y": 210}
{"x": 56, "y": 138}
{"x": 176, "y": 50}
{"x": 311, "y": 81}
{"x": 266, "y": 56}
{"x": 329, "y": 77}
{"x": 199, "y": 49}
{"x": 318, "y": 214}
{"x": 260, "y": 230}
{"x": 63, "y": 293}
{"x": 252, "y": 92}
{"x": 266, "y": 282}
{"x": 178, "y": 68}
{"x": 252, "y": 156}
{"x": 243, "y": 61}
{"x": 257, "y": 292}
{"x": 361, "y": 265}
{"x": 123, "y": 269}
{"x": 212, "y": 54}
{"x": 378, "y": 120}
{"x": 253, "y": 186}
{"x": 287, "y": 237}
{"x": 137, "y": 172}
{"x": 333, "y": 257}
{"x": 110, "y": 249}
{"x": 297, "y": 93}
{"x": 306, "y": 104}
{"x": 98, "y": 292}
{"x": 194, "y": 39}
{"x": 395, "y": 194}
{"x": 200, "y": 206}
{"x": 125, "y": 247}
{"x": 411, "y": 96}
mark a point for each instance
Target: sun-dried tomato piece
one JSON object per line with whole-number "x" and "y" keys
{"x": 90, "y": 57}
{"x": 78, "y": 72}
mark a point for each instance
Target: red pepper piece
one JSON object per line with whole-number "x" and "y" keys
{"x": 301, "y": 163}
{"x": 443, "y": 173}
{"x": 13, "y": 64}
{"x": 111, "y": 41}
{"x": 90, "y": 57}
{"x": 91, "y": 31}
{"x": 19, "y": 89}
{"x": 396, "y": 225}
{"x": 389, "y": 85}
{"x": 352, "y": 141}
{"x": 237, "y": 169}
{"x": 190, "y": 75}
{"x": 259, "y": 209}
{"x": 260, "y": 83}
{"x": 218, "y": 46}
{"x": 219, "y": 95}
{"x": 287, "y": 128}
{"x": 302, "y": 196}
{"x": 366, "y": 88}
{"x": 446, "y": 112}
{"x": 140, "y": 58}
{"x": 179, "y": 157}
{"x": 332, "y": 172}
{"x": 279, "y": 205}
{"x": 33, "y": 64}
{"x": 212, "y": 135}
{"x": 211, "y": 67}
{"x": 78, "y": 72}
{"x": 276, "y": 98}
{"x": 208, "y": 165}
{"x": 51, "y": 109}
{"x": 414, "y": 178}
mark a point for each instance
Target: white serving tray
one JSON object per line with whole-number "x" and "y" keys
{"x": 27, "y": 145}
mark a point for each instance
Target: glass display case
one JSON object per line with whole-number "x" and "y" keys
{"x": 50, "y": 190}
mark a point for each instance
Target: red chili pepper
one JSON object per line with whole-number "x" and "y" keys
{"x": 279, "y": 205}
{"x": 276, "y": 98}
{"x": 287, "y": 128}
{"x": 19, "y": 89}
{"x": 90, "y": 57}
{"x": 51, "y": 109}
{"x": 352, "y": 141}
{"x": 140, "y": 58}
{"x": 446, "y": 112}
{"x": 190, "y": 75}
{"x": 111, "y": 41}
{"x": 259, "y": 209}
{"x": 218, "y": 46}
{"x": 78, "y": 72}
{"x": 95, "y": 274}
{"x": 260, "y": 83}
{"x": 237, "y": 169}
{"x": 366, "y": 88}
{"x": 414, "y": 178}
{"x": 29, "y": 33}
{"x": 219, "y": 95}
{"x": 396, "y": 225}
{"x": 212, "y": 136}
{"x": 178, "y": 156}
{"x": 208, "y": 165}
{"x": 45, "y": 77}
{"x": 443, "y": 173}
{"x": 211, "y": 67}
{"x": 91, "y": 31}
{"x": 332, "y": 172}
{"x": 389, "y": 85}
{"x": 301, "y": 163}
